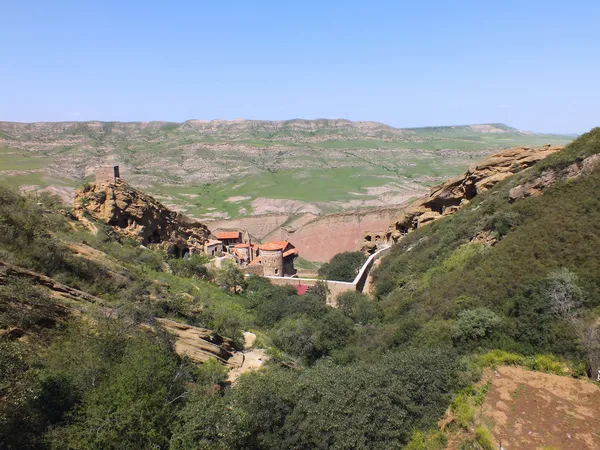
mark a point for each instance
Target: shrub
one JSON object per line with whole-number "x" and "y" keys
{"x": 545, "y": 363}
{"x": 463, "y": 412}
{"x": 500, "y": 358}
{"x": 297, "y": 337}
{"x": 473, "y": 325}
{"x": 133, "y": 406}
{"x": 484, "y": 438}
{"x": 343, "y": 266}
{"x": 359, "y": 307}
{"x": 193, "y": 266}
{"x": 431, "y": 440}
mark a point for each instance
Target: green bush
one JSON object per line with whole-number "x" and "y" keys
{"x": 463, "y": 412}
{"x": 132, "y": 407}
{"x": 484, "y": 439}
{"x": 193, "y": 266}
{"x": 432, "y": 440}
{"x": 473, "y": 325}
{"x": 545, "y": 363}
{"x": 343, "y": 266}
{"x": 384, "y": 401}
{"x": 500, "y": 358}
{"x": 359, "y": 307}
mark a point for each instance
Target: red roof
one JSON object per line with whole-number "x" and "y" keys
{"x": 242, "y": 246}
{"x": 301, "y": 289}
{"x": 255, "y": 261}
{"x": 291, "y": 251}
{"x": 271, "y": 246}
{"x": 275, "y": 245}
{"x": 227, "y": 235}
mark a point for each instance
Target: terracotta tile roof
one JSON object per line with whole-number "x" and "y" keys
{"x": 282, "y": 244}
{"x": 241, "y": 246}
{"x": 291, "y": 251}
{"x": 271, "y": 246}
{"x": 227, "y": 234}
{"x": 255, "y": 261}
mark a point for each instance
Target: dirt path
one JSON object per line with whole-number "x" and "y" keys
{"x": 533, "y": 410}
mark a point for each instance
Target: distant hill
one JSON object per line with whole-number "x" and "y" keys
{"x": 198, "y": 166}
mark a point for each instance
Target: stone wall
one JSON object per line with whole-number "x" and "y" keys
{"x": 255, "y": 269}
{"x": 306, "y": 273}
{"x": 335, "y": 287}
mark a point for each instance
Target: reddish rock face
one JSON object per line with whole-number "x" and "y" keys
{"x": 450, "y": 196}
{"x": 139, "y": 216}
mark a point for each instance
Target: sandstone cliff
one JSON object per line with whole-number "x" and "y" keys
{"x": 548, "y": 178}
{"x": 449, "y": 196}
{"x": 139, "y": 216}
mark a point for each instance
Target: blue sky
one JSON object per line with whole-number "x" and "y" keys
{"x": 531, "y": 64}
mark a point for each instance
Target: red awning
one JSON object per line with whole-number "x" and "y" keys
{"x": 301, "y": 289}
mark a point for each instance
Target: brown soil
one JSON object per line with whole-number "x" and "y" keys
{"x": 318, "y": 238}
{"x": 533, "y": 410}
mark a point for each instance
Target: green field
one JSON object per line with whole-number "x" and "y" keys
{"x": 197, "y": 168}
{"x": 18, "y": 160}
{"x": 308, "y": 185}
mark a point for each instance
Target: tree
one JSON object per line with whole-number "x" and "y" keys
{"x": 474, "y": 325}
{"x": 566, "y": 299}
{"x": 133, "y": 407}
{"x": 343, "y": 266}
{"x": 231, "y": 278}
{"x": 298, "y": 337}
{"x": 359, "y": 307}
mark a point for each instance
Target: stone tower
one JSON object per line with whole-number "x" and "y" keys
{"x": 272, "y": 260}
{"x": 107, "y": 175}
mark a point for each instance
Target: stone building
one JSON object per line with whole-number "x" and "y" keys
{"x": 276, "y": 259}
{"x": 213, "y": 247}
{"x": 229, "y": 237}
{"x": 243, "y": 252}
{"x": 271, "y": 256}
{"x": 107, "y": 175}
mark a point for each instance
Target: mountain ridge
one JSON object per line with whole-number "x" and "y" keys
{"x": 291, "y": 123}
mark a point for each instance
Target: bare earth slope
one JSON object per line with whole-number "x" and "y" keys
{"x": 234, "y": 168}
{"x": 528, "y": 410}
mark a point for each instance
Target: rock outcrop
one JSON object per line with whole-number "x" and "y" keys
{"x": 134, "y": 214}
{"x": 198, "y": 344}
{"x": 549, "y": 177}
{"x": 448, "y": 197}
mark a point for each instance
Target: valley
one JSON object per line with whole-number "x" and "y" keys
{"x": 229, "y": 169}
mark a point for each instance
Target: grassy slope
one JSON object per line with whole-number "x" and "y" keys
{"x": 425, "y": 288}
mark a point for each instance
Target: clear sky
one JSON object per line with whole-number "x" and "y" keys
{"x": 531, "y": 64}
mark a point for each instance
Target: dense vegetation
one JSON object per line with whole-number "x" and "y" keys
{"x": 451, "y": 287}
{"x": 369, "y": 374}
{"x": 343, "y": 266}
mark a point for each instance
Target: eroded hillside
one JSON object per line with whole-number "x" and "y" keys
{"x": 509, "y": 279}
{"x": 223, "y": 169}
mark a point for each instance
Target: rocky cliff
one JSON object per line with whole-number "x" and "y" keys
{"x": 449, "y": 196}
{"x": 134, "y": 214}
